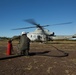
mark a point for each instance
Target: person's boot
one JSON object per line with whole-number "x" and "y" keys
{"x": 27, "y": 53}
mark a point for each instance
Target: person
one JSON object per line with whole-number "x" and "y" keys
{"x": 24, "y": 44}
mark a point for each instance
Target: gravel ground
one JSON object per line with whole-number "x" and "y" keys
{"x": 44, "y": 59}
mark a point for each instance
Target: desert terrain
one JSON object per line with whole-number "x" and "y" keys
{"x": 53, "y": 58}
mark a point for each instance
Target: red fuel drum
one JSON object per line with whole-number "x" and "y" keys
{"x": 9, "y": 48}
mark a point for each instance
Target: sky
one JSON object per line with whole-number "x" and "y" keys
{"x": 14, "y": 12}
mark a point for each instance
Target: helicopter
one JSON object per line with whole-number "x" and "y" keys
{"x": 40, "y": 34}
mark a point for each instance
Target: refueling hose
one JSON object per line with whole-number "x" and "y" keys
{"x": 39, "y": 54}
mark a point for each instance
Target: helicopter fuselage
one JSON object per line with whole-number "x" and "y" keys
{"x": 38, "y": 35}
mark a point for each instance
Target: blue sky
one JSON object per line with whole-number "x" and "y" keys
{"x": 13, "y": 12}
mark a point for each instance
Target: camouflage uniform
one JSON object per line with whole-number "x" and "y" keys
{"x": 24, "y": 45}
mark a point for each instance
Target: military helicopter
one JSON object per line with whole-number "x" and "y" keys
{"x": 40, "y": 34}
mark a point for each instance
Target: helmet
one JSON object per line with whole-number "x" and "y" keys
{"x": 23, "y": 33}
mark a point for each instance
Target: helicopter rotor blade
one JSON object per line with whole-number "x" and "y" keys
{"x": 30, "y": 27}
{"x": 45, "y": 25}
{"x": 31, "y": 21}
{"x": 61, "y": 23}
{"x": 23, "y": 28}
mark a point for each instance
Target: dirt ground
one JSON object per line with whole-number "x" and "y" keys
{"x": 56, "y": 58}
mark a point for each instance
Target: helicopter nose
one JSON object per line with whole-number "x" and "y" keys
{"x": 52, "y": 34}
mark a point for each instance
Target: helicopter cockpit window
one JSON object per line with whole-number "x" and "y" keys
{"x": 31, "y": 35}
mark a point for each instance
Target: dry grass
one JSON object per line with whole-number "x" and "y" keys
{"x": 43, "y": 65}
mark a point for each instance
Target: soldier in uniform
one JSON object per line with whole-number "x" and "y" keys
{"x": 24, "y": 44}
